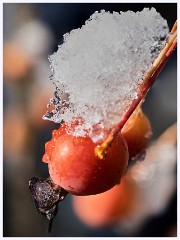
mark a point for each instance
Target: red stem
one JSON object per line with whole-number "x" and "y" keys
{"x": 145, "y": 88}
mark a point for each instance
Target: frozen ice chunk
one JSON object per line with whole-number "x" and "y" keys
{"x": 100, "y": 66}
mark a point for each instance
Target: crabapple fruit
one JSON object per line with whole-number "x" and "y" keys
{"x": 137, "y": 132}
{"x": 107, "y": 208}
{"x": 74, "y": 166}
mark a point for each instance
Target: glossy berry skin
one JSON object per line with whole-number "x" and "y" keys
{"x": 73, "y": 165}
{"x": 137, "y": 132}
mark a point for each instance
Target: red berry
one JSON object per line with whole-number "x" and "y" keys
{"x": 107, "y": 208}
{"x": 74, "y": 166}
{"x": 137, "y": 132}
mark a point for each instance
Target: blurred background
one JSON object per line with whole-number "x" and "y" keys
{"x": 31, "y": 32}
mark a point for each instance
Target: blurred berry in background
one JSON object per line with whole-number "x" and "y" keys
{"x": 31, "y": 32}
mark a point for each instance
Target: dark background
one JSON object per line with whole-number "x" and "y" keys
{"x": 25, "y": 132}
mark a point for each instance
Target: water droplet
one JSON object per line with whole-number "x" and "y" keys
{"x": 46, "y": 158}
{"x": 48, "y": 116}
{"x": 51, "y": 77}
{"x": 56, "y": 94}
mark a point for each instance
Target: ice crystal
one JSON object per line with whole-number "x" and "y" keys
{"x": 99, "y": 67}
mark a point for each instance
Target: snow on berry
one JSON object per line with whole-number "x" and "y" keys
{"x": 99, "y": 67}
